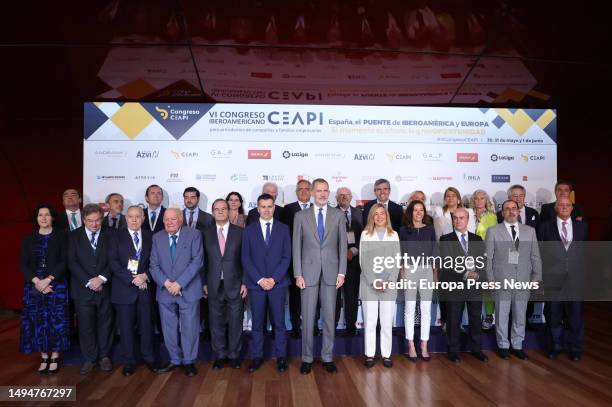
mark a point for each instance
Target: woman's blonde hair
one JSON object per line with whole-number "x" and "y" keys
{"x": 456, "y": 192}
{"x": 490, "y": 206}
{"x": 371, "y": 227}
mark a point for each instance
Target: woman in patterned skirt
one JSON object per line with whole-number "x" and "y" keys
{"x": 45, "y": 322}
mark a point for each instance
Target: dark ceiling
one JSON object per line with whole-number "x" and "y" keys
{"x": 390, "y": 52}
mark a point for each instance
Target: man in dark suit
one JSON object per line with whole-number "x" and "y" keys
{"x": 224, "y": 285}
{"x": 90, "y": 289}
{"x": 175, "y": 265}
{"x": 193, "y": 215}
{"x": 382, "y": 189}
{"x": 268, "y": 188}
{"x": 131, "y": 291}
{"x": 154, "y": 212}
{"x": 468, "y": 253}
{"x": 564, "y": 262}
{"x": 527, "y": 216}
{"x": 302, "y": 191}
{"x": 350, "y": 289}
{"x": 70, "y": 218}
{"x": 266, "y": 253}
{"x": 198, "y": 219}
{"x": 114, "y": 219}
{"x": 563, "y": 189}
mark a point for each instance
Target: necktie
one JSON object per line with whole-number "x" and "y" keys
{"x": 114, "y": 223}
{"x": 304, "y": 206}
{"x": 74, "y": 224}
{"x": 153, "y": 216}
{"x": 190, "y": 218}
{"x": 348, "y": 223}
{"x": 520, "y": 219}
{"x": 136, "y": 242}
{"x": 268, "y": 234}
{"x": 564, "y": 233}
{"x": 464, "y": 243}
{"x": 514, "y": 238}
{"x": 93, "y": 241}
{"x": 320, "y": 226}
{"x": 173, "y": 248}
{"x": 221, "y": 241}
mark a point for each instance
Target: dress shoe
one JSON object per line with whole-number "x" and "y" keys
{"x": 480, "y": 356}
{"x": 190, "y": 370}
{"x": 53, "y": 361}
{"x": 504, "y": 353}
{"x": 554, "y": 354}
{"x": 387, "y": 362}
{"x": 412, "y": 358}
{"x": 281, "y": 365}
{"x": 106, "y": 364}
{"x": 45, "y": 370}
{"x": 369, "y": 362}
{"x": 128, "y": 369}
{"x": 330, "y": 367}
{"x": 575, "y": 356}
{"x": 255, "y": 364}
{"x": 218, "y": 364}
{"x": 454, "y": 357}
{"x": 519, "y": 353}
{"x": 87, "y": 367}
{"x": 305, "y": 368}
{"x": 166, "y": 368}
{"x": 235, "y": 363}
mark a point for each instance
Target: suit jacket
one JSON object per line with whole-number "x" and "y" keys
{"x": 311, "y": 257}
{"x": 205, "y": 219}
{"x": 120, "y": 250}
{"x": 370, "y": 247}
{"x": 287, "y": 214}
{"x": 121, "y": 220}
{"x": 57, "y": 253}
{"x": 563, "y": 269}
{"x": 84, "y": 264}
{"x": 253, "y": 215}
{"x": 532, "y": 217}
{"x": 547, "y": 212}
{"x": 185, "y": 269}
{"x": 230, "y": 263}
{"x": 395, "y": 211}
{"x": 356, "y": 227}
{"x": 498, "y": 244}
{"x": 264, "y": 261}
{"x": 159, "y": 222}
{"x": 451, "y": 246}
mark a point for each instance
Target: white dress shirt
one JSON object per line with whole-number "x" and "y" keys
{"x": 170, "y": 237}
{"x": 316, "y": 212}
{"x": 150, "y": 211}
{"x": 187, "y": 213}
{"x": 308, "y": 204}
{"x": 139, "y": 234}
{"x": 523, "y": 215}
{"x": 78, "y": 218}
{"x": 94, "y": 246}
{"x": 262, "y": 223}
{"x": 516, "y": 229}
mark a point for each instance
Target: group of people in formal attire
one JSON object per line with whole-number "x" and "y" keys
{"x": 180, "y": 270}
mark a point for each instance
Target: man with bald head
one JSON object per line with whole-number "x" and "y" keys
{"x": 175, "y": 264}
{"x": 564, "y": 263}
{"x": 354, "y": 226}
{"x": 269, "y": 188}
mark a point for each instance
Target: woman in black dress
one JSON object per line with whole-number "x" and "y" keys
{"x": 44, "y": 317}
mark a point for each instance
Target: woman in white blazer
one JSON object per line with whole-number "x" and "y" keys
{"x": 378, "y": 239}
{"x": 443, "y": 222}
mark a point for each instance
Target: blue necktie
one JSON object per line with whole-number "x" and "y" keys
{"x": 320, "y": 227}
{"x": 464, "y": 243}
{"x": 173, "y": 248}
{"x": 136, "y": 242}
{"x": 304, "y": 206}
{"x": 153, "y": 216}
{"x": 268, "y": 234}
{"x": 93, "y": 242}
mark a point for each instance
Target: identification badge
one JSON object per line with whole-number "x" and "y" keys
{"x": 350, "y": 237}
{"x": 132, "y": 266}
{"x": 513, "y": 257}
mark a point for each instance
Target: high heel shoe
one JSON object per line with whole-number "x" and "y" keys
{"x": 44, "y": 371}
{"x": 56, "y": 361}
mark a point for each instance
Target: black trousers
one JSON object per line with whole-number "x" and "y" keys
{"x": 350, "y": 289}
{"x": 95, "y": 326}
{"x": 565, "y": 321}
{"x": 454, "y": 314}
{"x": 139, "y": 313}
{"x": 225, "y": 343}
